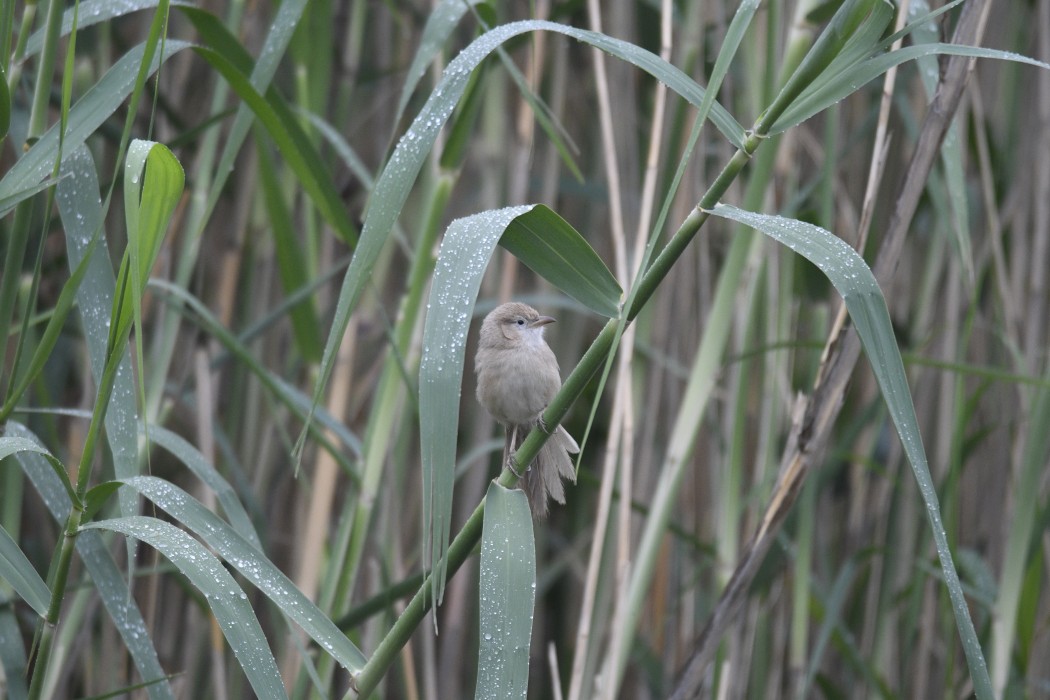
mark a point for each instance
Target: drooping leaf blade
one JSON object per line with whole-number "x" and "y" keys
{"x": 507, "y": 587}
{"x": 853, "y": 279}
{"x": 16, "y": 569}
{"x": 80, "y": 208}
{"x": 191, "y": 457}
{"x": 552, "y": 248}
{"x": 461, "y": 263}
{"x": 226, "y": 600}
{"x": 251, "y": 563}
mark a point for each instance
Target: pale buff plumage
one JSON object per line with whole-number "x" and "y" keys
{"x": 517, "y": 377}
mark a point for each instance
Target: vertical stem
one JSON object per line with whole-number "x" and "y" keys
{"x": 19, "y": 238}
{"x": 57, "y": 584}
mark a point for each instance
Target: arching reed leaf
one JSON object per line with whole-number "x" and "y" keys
{"x": 251, "y": 563}
{"x": 507, "y": 587}
{"x": 831, "y": 88}
{"x": 853, "y": 279}
{"x": 226, "y": 600}
{"x": 16, "y": 569}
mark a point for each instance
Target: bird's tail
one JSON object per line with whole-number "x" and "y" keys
{"x": 544, "y": 478}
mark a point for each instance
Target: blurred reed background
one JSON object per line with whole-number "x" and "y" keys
{"x": 848, "y": 601}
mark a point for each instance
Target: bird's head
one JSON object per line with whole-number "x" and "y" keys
{"x": 514, "y": 324}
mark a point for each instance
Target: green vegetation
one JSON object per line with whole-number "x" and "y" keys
{"x": 799, "y": 259}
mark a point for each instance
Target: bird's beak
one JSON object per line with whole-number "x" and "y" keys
{"x": 541, "y": 321}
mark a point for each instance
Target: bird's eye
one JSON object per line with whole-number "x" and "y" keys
{"x": 520, "y": 322}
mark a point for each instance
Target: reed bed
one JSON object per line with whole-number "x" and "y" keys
{"x": 246, "y": 248}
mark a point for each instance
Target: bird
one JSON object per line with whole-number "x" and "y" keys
{"x": 517, "y": 376}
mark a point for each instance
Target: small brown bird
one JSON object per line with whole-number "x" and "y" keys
{"x": 517, "y": 377}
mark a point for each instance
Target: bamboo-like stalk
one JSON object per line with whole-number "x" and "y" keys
{"x": 63, "y": 558}
{"x": 617, "y": 454}
{"x": 322, "y": 497}
{"x": 622, "y": 436}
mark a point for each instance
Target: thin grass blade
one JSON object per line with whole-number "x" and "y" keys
{"x": 285, "y": 392}
{"x": 290, "y": 259}
{"x": 16, "y": 569}
{"x": 951, "y": 149}
{"x": 820, "y": 96}
{"x": 80, "y": 209}
{"x": 96, "y": 106}
{"x": 344, "y": 150}
{"x": 5, "y": 105}
{"x": 439, "y": 27}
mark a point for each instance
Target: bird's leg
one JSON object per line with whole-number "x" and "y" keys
{"x": 508, "y": 450}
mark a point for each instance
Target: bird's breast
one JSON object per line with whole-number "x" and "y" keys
{"x": 515, "y": 385}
